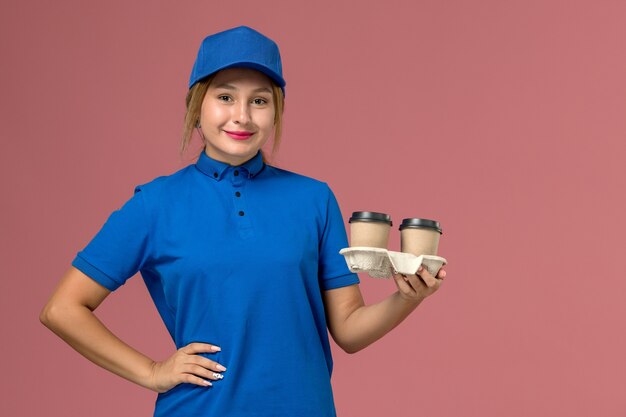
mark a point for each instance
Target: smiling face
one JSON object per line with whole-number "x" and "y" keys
{"x": 237, "y": 115}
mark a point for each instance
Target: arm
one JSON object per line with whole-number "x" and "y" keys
{"x": 354, "y": 326}
{"x": 69, "y": 314}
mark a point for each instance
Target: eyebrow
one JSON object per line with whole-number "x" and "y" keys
{"x": 231, "y": 87}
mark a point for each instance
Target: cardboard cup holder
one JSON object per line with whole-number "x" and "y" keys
{"x": 382, "y": 263}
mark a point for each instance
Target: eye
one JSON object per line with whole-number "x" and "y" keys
{"x": 260, "y": 101}
{"x": 223, "y": 98}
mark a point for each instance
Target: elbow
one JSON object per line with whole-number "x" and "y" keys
{"x": 50, "y": 315}
{"x": 350, "y": 348}
{"x": 45, "y": 316}
{"x": 354, "y": 349}
{"x": 349, "y": 341}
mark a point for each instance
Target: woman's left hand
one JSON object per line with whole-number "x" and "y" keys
{"x": 417, "y": 287}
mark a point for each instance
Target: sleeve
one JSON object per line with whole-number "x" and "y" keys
{"x": 333, "y": 269}
{"x": 120, "y": 249}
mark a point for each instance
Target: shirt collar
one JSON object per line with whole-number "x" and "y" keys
{"x": 215, "y": 169}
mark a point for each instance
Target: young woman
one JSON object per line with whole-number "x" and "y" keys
{"x": 240, "y": 258}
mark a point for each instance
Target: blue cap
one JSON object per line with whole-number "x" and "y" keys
{"x": 238, "y": 47}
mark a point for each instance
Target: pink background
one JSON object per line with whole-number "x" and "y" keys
{"x": 504, "y": 120}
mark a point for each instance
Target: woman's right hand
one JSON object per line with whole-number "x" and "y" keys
{"x": 185, "y": 366}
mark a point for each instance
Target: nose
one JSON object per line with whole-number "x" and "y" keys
{"x": 241, "y": 113}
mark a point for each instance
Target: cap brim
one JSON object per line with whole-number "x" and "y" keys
{"x": 277, "y": 79}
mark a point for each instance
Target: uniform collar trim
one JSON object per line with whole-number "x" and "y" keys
{"x": 215, "y": 169}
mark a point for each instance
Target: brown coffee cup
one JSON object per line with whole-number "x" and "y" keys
{"x": 370, "y": 229}
{"x": 419, "y": 236}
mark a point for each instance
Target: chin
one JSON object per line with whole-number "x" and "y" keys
{"x": 243, "y": 149}
{"x": 241, "y": 153}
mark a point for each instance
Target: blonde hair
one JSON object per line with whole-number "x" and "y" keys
{"x": 193, "y": 102}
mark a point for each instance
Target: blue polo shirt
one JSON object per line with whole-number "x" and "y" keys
{"x": 236, "y": 256}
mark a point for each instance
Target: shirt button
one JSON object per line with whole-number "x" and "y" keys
{"x": 236, "y": 173}
{"x": 238, "y": 194}
{"x": 215, "y": 174}
{"x": 241, "y": 213}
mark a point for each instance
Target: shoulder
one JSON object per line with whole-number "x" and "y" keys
{"x": 167, "y": 183}
{"x": 302, "y": 182}
{"x": 163, "y": 186}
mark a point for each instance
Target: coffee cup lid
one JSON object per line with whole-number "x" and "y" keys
{"x": 416, "y": 223}
{"x": 370, "y": 216}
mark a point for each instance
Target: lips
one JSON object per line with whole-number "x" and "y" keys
{"x": 239, "y": 135}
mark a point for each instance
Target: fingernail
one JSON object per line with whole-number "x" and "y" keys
{"x": 217, "y": 376}
{"x": 421, "y": 268}
{"x": 220, "y": 367}
{"x": 216, "y": 348}
{"x": 207, "y": 383}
